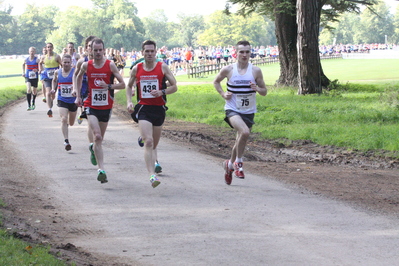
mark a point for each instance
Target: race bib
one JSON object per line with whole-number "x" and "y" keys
{"x": 31, "y": 74}
{"x": 146, "y": 86}
{"x": 99, "y": 97}
{"x": 245, "y": 101}
{"x": 66, "y": 90}
{"x": 50, "y": 73}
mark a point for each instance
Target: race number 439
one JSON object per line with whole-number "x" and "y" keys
{"x": 99, "y": 97}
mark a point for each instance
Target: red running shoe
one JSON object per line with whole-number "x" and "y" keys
{"x": 228, "y": 173}
{"x": 238, "y": 171}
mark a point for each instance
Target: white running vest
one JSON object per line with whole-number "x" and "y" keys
{"x": 243, "y": 99}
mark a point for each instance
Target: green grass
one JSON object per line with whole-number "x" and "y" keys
{"x": 17, "y": 252}
{"x": 351, "y": 115}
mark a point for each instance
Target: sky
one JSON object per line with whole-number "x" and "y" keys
{"x": 170, "y": 7}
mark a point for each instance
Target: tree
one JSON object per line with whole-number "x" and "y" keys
{"x": 223, "y": 29}
{"x": 189, "y": 28}
{"x": 35, "y": 24}
{"x": 343, "y": 31}
{"x": 375, "y": 24}
{"x": 73, "y": 25}
{"x": 395, "y": 37}
{"x": 156, "y": 27}
{"x": 283, "y": 12}
{"x": 119, "y": 24}
{"x": 7, "y": 30}
{"x": 309, "y": 67}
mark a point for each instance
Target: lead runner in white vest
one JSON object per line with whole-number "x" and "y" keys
{"x": 244, "y": 80}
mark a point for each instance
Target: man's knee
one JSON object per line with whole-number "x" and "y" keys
{"x": 148, "y": 142}
{"x": 98, "y": 137}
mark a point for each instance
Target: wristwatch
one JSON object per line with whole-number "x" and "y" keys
{"x": 109, "y": 86}
{"x": 163, "y": 92}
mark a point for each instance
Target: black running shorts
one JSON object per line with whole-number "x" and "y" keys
{"x": 102, "y": 115}
{"x": 33, "y": 82}
{"x": 72, "y": 107}
{"x": 153, "y": 114}
{"x": 247, "y": 118}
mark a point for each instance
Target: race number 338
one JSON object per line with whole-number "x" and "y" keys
{"x": 99, "y": 97}
{"x": 146, "y": 86}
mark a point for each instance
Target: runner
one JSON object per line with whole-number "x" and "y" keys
{"x": 51, "y": 62}
{"x": 244, "y": 80}
{"x": 83, "y": 91}
{"x": 62, "y": 82}
{"x": 72, "y": 52}
{"x": 149, "y": 77}
{"x": 30, "y": 69}
{"x": 42, "y": 75}
{"x": 99, "y": 101}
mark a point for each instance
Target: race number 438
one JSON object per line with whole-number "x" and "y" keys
{"x": 146, "y": 86}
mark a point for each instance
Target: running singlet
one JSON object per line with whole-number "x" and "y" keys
{"x": 243, "y": 99}
{"x": 50, "y": 66}
{"x": 30, "y": 66}
{"x": 148, "y": 81}
{"x": 65, "y": 87}
{"x": 98, "y": 97}
{"x": 83, "y": 90}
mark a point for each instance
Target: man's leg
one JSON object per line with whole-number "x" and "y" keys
{"x": 146, "y": 132}
{"x": 28, "y": 94}
{"x": 64, "y": 126}
{"x": 157, "y": 131}
{"x": 44, "y": 91}
{"x": 98, "y": 129}
{"x": 49, "y": 97}
{"x": 242, "y": 137}
{"x": 34, "y": 93}
{"x": 72, "y": 117}
{"x": 239, "y": 146}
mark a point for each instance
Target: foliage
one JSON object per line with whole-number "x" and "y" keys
{"x": 156, "y": 27}
{"x": 34, "y": 27}
{"x": 395, "y": 36}
{"x": 188, "y": 29}
{"x": 7, "y": 30}
{"x": 375, "y": 24}
{"x": 222, "y": 29}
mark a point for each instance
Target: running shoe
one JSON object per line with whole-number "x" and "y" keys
{"x": 33, "y": 107}
{"x": 102, "y": 176}
{"x": 238, "y": 171}
{"x": 228, "y": 173}
{"x": 158, "y": 168}
{"x": 154, "y": 181}
{"x": 80, "y": 120}
{"x": 68, "y": 146}
{"x": 92, "y": 155}
{"x": 50, "y": 113}
{"x": 83, "y": 115}
{"x": 140, "y": 141}
{"x": 44, "y": 99}
{"x": 29, "y": 108}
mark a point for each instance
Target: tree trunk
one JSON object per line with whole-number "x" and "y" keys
{"x": 309, "y": 66}
{"x": 286, "y": 34}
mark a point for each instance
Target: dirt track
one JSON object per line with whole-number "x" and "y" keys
{"x": 295, "y": 207}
